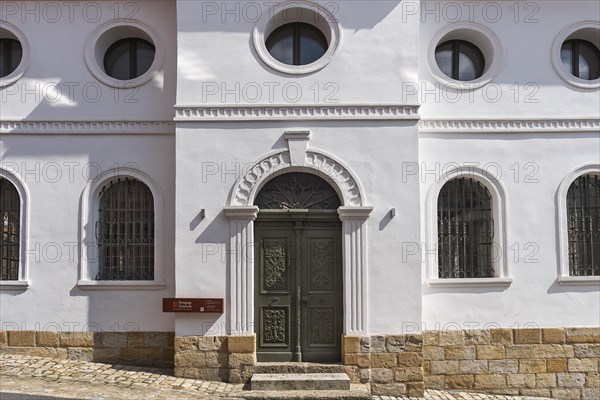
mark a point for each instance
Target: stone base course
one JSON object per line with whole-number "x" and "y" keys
{"x": 392, "y": 364}
{"x": 219, "y": 358}
{"x": 548, "y": 362}
{"x": 80, "y": 379}
{"x": 560, "y": 363}
{"x": 152, "y": 349}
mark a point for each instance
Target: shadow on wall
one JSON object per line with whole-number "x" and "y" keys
{"x": 242, "y": 16}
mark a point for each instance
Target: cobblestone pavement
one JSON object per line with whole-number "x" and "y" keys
{"x": 67, "y": 379}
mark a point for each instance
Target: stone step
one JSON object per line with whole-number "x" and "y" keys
{"x": 357, "y": 392}
{"x": 302, "y": 381}
{"x": 297, "y": 368}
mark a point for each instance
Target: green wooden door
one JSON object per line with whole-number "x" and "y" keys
{"x": 298, "y": 301}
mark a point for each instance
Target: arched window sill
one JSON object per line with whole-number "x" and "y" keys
{"x": 469, "y": 282}
{"x": 578, "y": 280}
{"x": 116, "y": 285}
{"x": 14, "y": 285}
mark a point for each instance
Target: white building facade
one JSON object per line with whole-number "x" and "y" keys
{"x": 409, "y": 188}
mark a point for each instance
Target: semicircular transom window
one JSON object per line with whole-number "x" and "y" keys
{"x": 11, "y": 54}
{"x": 129, "y": 58}
{"x": 581, "y": 59}
{"x": 298, "y": 190}
{"x": 460, "y": 60}
{"x": 297, "y": 43}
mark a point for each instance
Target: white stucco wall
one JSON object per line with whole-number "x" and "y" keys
{"x": 55, "y": 171}
{"x": 531, "y": 168}
{"x": 526, "y": 85}
{"x": 56, "y": 162}
{"x": 217, "y": 58}
{"x": 210, "y": 60}
{"x": 57, "y": 84}
{"x": 201, "y": 250}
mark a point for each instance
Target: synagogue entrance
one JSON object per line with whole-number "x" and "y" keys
{"x": 299, "y": 276}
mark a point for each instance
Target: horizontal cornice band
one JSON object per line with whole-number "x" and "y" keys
{"x": 191, "y": 113}
{"x": 224, "y": 114}
{"x": 87, "y": 127}
{"x": 516, "y": 125}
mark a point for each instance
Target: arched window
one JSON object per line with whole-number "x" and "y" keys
{"x": 298, "y": 190}
{"x": 125, "y": 231}
{"x": 583, "y": 225}
{"x": 465, "y": 230}
{"x": 10, "y": 212}
{"x": 460, "y": 60}
{"x": 297, "y": 43}
{"x": 129, "y": 58}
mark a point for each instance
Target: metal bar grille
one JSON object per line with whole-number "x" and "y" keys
{"x": 10, "y": 212}
{"x": 583, "y": 220}
{"x": 298, "y": 190}
{"x": 125, "y": 232}
{"x": 465, "y": 230}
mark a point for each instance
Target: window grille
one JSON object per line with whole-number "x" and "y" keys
{"x": 298, "y": 190}
{"x": 125, "y": 231}
{"x": 10, "y": 210}
{"x": 465, "y": 230}
{"x": 583, "y": 223}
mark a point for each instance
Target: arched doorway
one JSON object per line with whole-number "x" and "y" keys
{"x": 298, "y": 277}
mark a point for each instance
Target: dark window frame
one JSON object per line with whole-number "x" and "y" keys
{"x": 575, "y": 47}
{"x": 6, "y": 50}
{"x": 297, "y": 28}
{"x": 456, "y": 44}
{"x": 133, "y": 59}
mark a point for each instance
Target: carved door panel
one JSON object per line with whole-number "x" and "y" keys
{"x": 275, "y": 288}
{"x": 322, "y": 303}
{"x": 298, "y": 285}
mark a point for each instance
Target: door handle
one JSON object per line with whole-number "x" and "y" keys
{"x": 304, "y": 296}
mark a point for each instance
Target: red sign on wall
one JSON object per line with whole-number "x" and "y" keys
{"x": 193, "y": 305}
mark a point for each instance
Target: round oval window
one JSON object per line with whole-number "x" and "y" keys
{"x": 11, "y": 54}
{"x": 297, "y": 43}
{"x": 460, "y": 60}
{"x": 129, "y": 58}
{"x": 581, "y": 59}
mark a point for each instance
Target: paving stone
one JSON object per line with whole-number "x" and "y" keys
{"x": 80, "y": 379}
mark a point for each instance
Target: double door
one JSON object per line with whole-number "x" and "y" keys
{"x": 298, "y": 287}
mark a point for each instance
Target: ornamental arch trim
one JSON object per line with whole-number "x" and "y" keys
{"x": 319, "y": 163}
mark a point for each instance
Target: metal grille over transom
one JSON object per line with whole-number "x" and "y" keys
{"x": 10, "y": 210}
{"x": 583, "y": 218}
{"x": 298, "y": 190}
{"x": 125, "y": 231}
{"x": 465, "y": 230}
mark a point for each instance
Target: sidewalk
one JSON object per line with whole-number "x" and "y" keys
{"x": 68, "y": 379}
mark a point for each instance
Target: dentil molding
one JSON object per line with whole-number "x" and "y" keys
{"x": 88, "y": 127}
{"x": 297, "y": 112}
{"x": 434, "y": 125}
